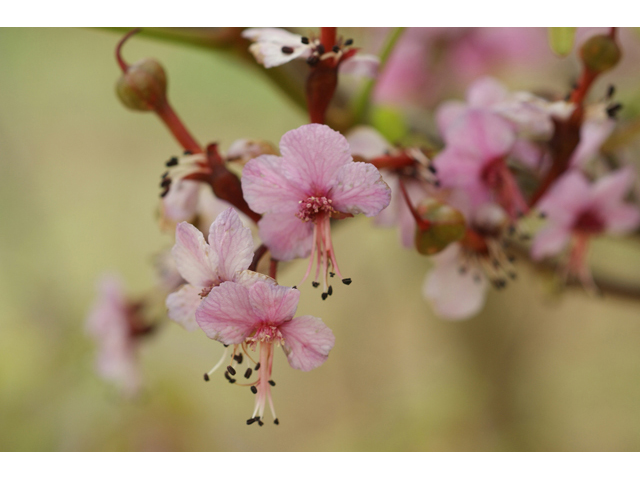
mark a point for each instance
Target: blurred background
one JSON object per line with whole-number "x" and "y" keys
{"x": 537, "y": 370}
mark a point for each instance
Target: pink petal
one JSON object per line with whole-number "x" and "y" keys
{"x": 267, "y": 48}
{"x": 453, "y": 295}
{"x": 286, "y": 235}
{"x": 108, "y": 314}
{"x": 481, "y": 134}
{"x": 359, "y": 188}
{"x": 180, "y": 203}
{"x": 593, "y": 134}
{"x": 623, "y": 219}
{"x": 232, "y": 243}
{"x": 182, "y": 305}
{"x": 611, "y": 189}
{"x": 486, "y": 92}
{"x": 389, "y": 216}
{"x": 246, "y": 278}
{"x": 549, "y": 242}
{"x": 226, "y": 314}
{"x": 567, "y": 198}
{"x": 448, "y": 113}
{"x": 267, "y": 185}
{"x": 307, "y": 342}
{"x": 367, "y": 142}
{"x": 363, "y": 65}
{"x": 192, "y": 256}
{"x": 273, "y": 303}
{"x": 314, "y": 153}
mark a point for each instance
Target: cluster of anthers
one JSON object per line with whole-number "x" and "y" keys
{"x": 319, "y": 52}
{"x": 183, "y": 168}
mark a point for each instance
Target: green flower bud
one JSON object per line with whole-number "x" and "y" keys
{"x": 600, "y": 53}
{"x": 447, "y": 225}
{"x": 143, "y": 86}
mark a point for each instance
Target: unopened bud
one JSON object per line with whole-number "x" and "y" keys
{"x": 446, "y": 225}
{"x": 600, "y": 53}
{"x": 143, "y": 86}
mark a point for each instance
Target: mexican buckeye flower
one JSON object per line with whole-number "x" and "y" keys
{"x": 313, "y": 181}
{"x": 577, "y": 210}
{"x": 260, "y": 315}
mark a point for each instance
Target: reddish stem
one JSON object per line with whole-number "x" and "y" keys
{"x": 584, "y": 84}
{"x": 177, "y": 128}
{"x": 392, "y": 161}
{"x": 257, "y": 256}
{"x": 328, "y": 37}
{"x": 273, "y": 268}
{"x": 124, "y": 66}
{"x": 422, "y": 223}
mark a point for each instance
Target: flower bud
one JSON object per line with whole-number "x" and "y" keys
{"x": 447, "y": 225}
{"x": 600, "y": 53}
{"x": 143, "y": 86}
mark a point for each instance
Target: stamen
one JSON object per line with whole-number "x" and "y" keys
{"x": 216, "y": 366}
{"x": 315, "y": 284}
{"x": 276, "y": 421}
{"x": 247, "y": 374}
{"x": 251, "y": 421}
{"x": 305, "y": 40}
{"x": 346, "y": 281}
{"x": 336, "y": 49}
{"x": 231, "y": 370}
{"x": 257, "y": 367}
{"x": 287, "y": 50}
{"x": 330, "y": 290}
{"x": 348, "y": 42}
{"x": 172, "y": 162}
{"x": 272, "y": 383}
{"x": 238, "y": 358}
{"x": 254, "y": 390}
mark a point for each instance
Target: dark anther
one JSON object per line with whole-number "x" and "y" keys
{"x": 164, "y": 193}
{"x": 513, "y": 275}
{"x": 336, "y": 49}
{"x": 247, "y": 374}
{"x": 330, "y": 290}
{"x": 613, "y": 110}
{"x": 172, "y": 162}
{"x": 251, "y": 421}
{"x": 165, "y": 182}
{"x": 164, "y": 175}
{"x": 206, "y": 377}
{"x": 257, "y": 367}
{"x": 511, "y": 258}
{"x": 231, "y": 380}
{"x": 610, "y": 91}
{"x": 462, "y": 270}
{"x": 432, "y": 169}
{"x": 332, "y": 274}
{"x": 320, "y": 49}
{"x": 187, "y": 152}
{"x": 225, "y": 345}
{"x": 525, "y": 236}
{"x": 295, "y": 287}
{"x": 476, "y": 278}
{"x": 512, "y": 229}
{"x": 287, "y": 50}
{"x": 312, "y": 60}
{"x": 348, "y": 42}
{"x": 260, "y": 422}
{"x": 305, "y": 40}
{"x": 542, "y": 215}
{"x": 254, "y": 390}
{"x": 437, "y": 183}
{"x": 346, "y": 281}
{"x": 231, "y": 370}
{"x": 496, "y": 263}
{"x": 272, "y": 383}
{"x": 276, "y": 421}
{"x": 315, "y": 284}
{"x": 238, "y": 358}
{"x": 324, "y": 295}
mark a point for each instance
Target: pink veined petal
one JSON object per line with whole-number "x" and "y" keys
{"x": 314, "y": 153}
{"x": 359, "y": 188}
{"x": 268, "y": 187}
{"x": 233, "y": 244}
{"x": 367, "y": 142}
{"x": 448, "y": 113}
{"x": 550, "y": 241}
{"x": 364, "y": 65}
{"x": 453, "y": 295}
{"x": 389, "y": 216}
{"x": 567, "y": 198}
{"x": 486, "y": 92}
{"x": 247, "y": 278}
{"x": 226, "y": 314}
{"x": 180, "y": 203}
{"x": 481, "y": 134}
{"x": 273, "y": 303}
{"x": 307, "y": 342}
{"x": 286, "y": 235}
{"x": 182, "y": 305}
{"x": 622, "y": 219}
{"x": 193, "y": 256}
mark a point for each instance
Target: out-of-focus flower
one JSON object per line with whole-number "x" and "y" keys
{"x": 116, "y": 324}
{"x": 596, "y": 128}
{"x": 261, "y": 315}
{"x": 204, "y": 266}
{"x": 577, "y": 210}
{"x": 315, "y": 180}
{"x": 275, "y": 46}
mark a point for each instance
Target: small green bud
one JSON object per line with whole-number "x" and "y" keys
{"x": 447, "y": 225}
{"x": 143, "y": 86}
{"x": 600, "y": 53}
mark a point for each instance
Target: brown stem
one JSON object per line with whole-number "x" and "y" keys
{"x": 422, "y": 223}
{"x": 257, "y": 256}
{"x": 177, "y": 128}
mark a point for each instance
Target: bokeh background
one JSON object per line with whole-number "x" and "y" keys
{"x": 537, "y": 370}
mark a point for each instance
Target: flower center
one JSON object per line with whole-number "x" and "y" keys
{"x": 310, "y": 208}
{"x": 589, "y": 222}
{"x": 265, "y": 333}
{"x": 498, "y": 178}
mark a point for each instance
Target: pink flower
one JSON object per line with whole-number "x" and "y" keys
{"x": 315, "y": 180}
{"x": 204, "y": 266}
{"x": 275, "y": 46}
{"x": 261, "y": 315}
{"x": 116, "y": 325}
{"x": 577, "y": 210}
{"x": 474, "y": 161}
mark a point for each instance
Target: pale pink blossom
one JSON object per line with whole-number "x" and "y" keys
{"x": 577, "y": 210}
{"x": 206, "y": 265}
{"x": 474, "y": 161}
{"x": 261, "y": 316}
{"x": 315, "y": 180}
{"x": 596, "y": 128}
{"x": 115, "y": 324}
